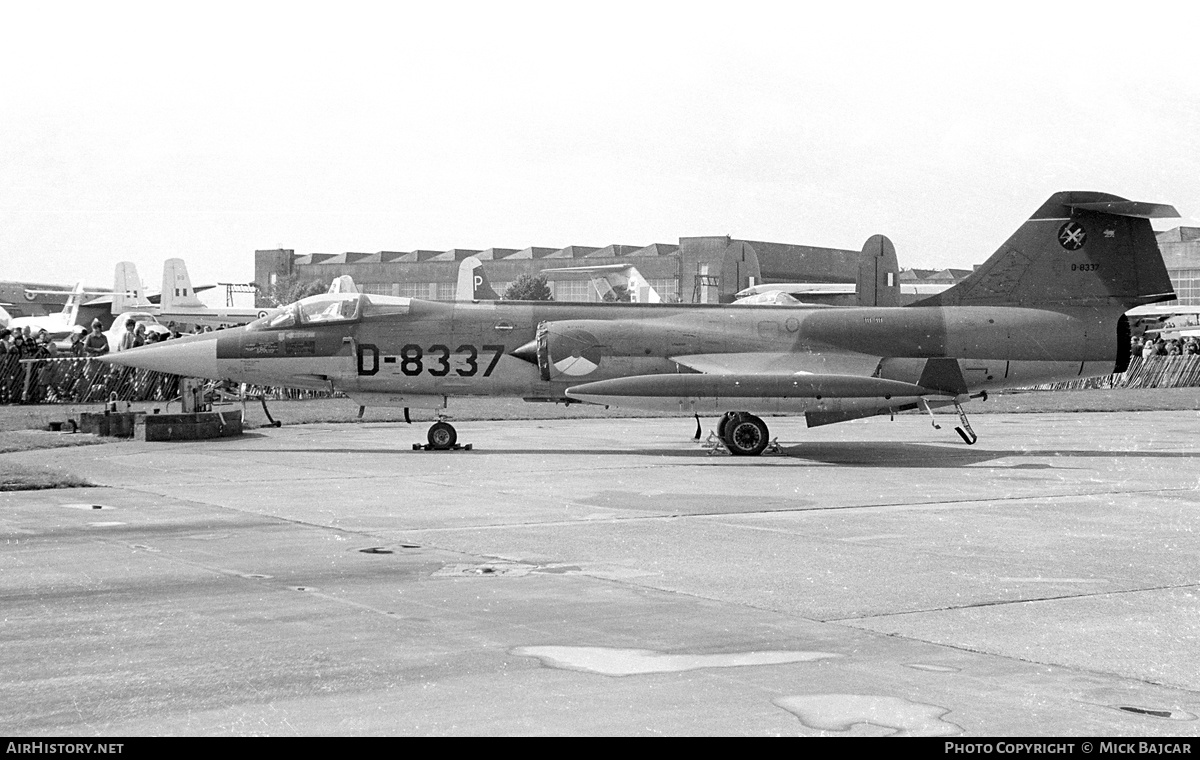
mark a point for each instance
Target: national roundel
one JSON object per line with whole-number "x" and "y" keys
{"x": 1072, "y": 236}
{"x": 575, "y": 352}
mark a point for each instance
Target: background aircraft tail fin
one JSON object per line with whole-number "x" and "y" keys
{"x": 1078, "y": 249}
{"x": 878, "y": 273}
{"x": 177, "y": 288}
{"x": 74, "y": 301}
{"x": 473, "y": 284}
{"x": 641, "y": 291}
{"x": 128, "y": 294}
{"x": 614, "y": 282}
{"x": 343, "y": 284}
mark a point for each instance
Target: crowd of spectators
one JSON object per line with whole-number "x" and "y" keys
{"x": 28, "y": 376}
{"x": 1148, "y": 345}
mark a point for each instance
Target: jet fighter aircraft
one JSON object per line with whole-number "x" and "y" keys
{"x": 1047, "y": 306}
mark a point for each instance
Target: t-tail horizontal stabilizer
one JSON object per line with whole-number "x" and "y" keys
{"x": 1078, "y": 249}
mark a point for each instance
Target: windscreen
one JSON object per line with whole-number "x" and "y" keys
{"x": 326, "y": 308}
{"x": 330, "y": 307}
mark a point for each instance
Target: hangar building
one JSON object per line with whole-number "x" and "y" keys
{"x": 1181, "y": 252}
{"x": 694, "y": 270}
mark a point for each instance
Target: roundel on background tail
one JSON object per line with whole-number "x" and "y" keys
{"x": 1072, "y": 236}
{"x": 574, "y": 352}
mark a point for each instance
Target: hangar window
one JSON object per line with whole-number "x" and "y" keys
{"x": 574, "y": 290}
{"x": 1187, "y": 286}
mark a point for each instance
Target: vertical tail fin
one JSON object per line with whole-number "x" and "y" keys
{"x": 473, "y": 284}
{"x": 640, "y": 291}
{"x": 343, "y": 284}
{"x": 177, "y": 287}
{"x": 1078, "y": 249}
{"x": 74, "y": 301}
{"x": 878, "y": 273}
{"x": 128, "y": 294}
{"x": 620, "y": 282}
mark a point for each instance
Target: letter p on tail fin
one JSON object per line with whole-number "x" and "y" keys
{"x": 1078, "y": 249}
{"x": 473, "y": 284}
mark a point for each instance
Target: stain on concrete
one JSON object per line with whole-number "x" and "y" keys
{"x": 841, "y": 712}
{"x": 608, "y": 661}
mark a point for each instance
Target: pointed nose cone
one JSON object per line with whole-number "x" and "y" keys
{"x": 191, "y": 356}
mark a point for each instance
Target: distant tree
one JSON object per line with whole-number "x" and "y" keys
{"x": 529, "y": 288}
{"x": 292, "y": 288}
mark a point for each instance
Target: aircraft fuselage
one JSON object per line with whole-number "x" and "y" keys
{"x": 429, "y": 350}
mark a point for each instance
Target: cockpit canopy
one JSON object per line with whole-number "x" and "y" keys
{"x": 330, "y": 308}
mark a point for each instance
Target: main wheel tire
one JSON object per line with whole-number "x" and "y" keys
{"x": 724, "y": 423}
{"x": 442, "y": 436}
{"x": 745, "y": 435}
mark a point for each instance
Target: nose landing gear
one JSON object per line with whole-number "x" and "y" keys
{"x": 441, "y": 437}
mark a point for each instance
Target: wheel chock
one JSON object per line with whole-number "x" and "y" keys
{"x": 455, "y": 447}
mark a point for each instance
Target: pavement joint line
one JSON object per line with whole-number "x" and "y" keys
{"x": 485, "y": 558}
{"x": 362, "y": 534}
{"x": 1004, "y": 602}
{"x": 1042, "y": 663}
{"x": 841, "y": 621}
{"x": 391, "y": 615}
{"x": 783, "y": 511}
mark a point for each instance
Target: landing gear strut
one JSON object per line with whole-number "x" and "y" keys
{"x": 964, "y": 430}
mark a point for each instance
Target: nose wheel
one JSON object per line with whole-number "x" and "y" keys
{"x": 441, "y": 437}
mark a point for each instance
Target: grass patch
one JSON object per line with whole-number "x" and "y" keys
{"x": 1114, "y": 400}
{"x": 32, "y": 440}
{"x": 16, "y": 477}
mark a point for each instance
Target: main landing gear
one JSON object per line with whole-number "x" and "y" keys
{"x": 964, "y": 430}
{"x": 441, "y": 437}
{"x": 743, "y": 435}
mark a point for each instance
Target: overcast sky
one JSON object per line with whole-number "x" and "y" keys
{"x": 144, "y": 131}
